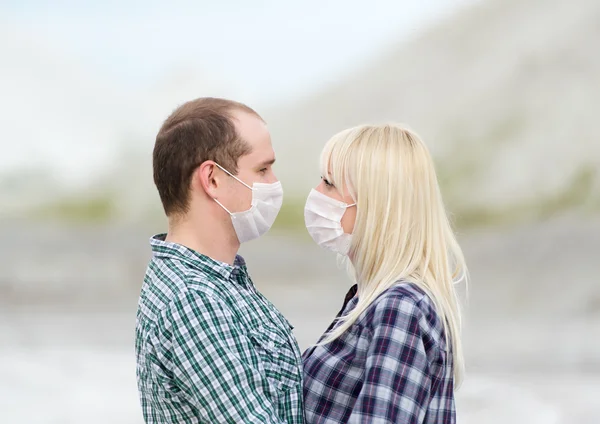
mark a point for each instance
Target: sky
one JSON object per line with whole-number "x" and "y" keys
{"x": 80, "y": 79}
{"x": 270, "y": 49}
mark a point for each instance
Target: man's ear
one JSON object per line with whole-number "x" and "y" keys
{"x": 207, "y": 178}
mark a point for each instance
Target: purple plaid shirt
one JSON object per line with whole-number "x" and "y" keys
{"x": 391, "y": 366}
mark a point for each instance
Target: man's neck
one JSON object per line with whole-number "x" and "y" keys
{"x": 208, "y": 238}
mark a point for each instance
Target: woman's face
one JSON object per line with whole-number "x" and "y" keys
{"x": 349, "y": 216}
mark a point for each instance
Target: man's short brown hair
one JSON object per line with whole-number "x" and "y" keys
{"x": 199, "y": 130}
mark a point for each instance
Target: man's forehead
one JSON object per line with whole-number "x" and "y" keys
{"x": 253, "y": 130}
{"x": 260, "y": 155}
{"x": 248, "y": 121}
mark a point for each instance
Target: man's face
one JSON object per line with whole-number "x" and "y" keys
{"x": 255, "y": 167}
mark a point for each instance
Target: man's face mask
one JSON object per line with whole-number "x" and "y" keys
{"x": 265, "y": 206}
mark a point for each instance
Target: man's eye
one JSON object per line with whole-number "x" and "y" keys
{"x": 262, "y": 171}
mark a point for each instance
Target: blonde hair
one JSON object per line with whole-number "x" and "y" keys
{"x": 401, "y": 230}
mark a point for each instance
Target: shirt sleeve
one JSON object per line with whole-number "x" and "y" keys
{"x": 213, "y": 364}
{"x": 397, "y": 379}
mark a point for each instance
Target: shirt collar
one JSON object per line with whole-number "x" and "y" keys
{"x": 165, "y": 249}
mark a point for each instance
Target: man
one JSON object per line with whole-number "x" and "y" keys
{"x": 210, "y": 348}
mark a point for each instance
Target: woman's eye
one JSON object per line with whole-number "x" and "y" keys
{"x": 327, "y": 183}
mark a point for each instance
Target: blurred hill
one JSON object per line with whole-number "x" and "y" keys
{"x": 505, "y": 94}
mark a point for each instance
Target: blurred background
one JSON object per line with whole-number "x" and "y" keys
{"x": 505, "y": 92}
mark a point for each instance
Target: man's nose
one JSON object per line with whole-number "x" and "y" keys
{"x": 273, "y": 178}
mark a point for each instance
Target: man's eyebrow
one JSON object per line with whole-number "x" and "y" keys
{"x": 267, "y": 162}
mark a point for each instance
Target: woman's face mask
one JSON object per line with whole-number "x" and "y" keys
{"x": 323, "y": 219}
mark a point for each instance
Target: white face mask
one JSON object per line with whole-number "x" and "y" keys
{"x": 323, "y": 219}
{"x": 265, "y": 205}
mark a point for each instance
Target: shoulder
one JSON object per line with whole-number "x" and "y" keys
{"x": 404, "y": 300}
{"x": 206, "y": 286}
{"x": 199, "y": 303}
{"x": 170, "y": 280}
{"x": 406, "y": 307}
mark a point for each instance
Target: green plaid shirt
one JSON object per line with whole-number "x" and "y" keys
{"x": 210, "y": 348}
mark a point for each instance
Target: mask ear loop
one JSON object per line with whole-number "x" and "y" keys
{"x": 233, "y": 176}
{"x": 220, "y": 204}
{"x": 344, "y": 260}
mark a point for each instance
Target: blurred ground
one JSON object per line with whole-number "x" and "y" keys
{"x": 531, "y": 333}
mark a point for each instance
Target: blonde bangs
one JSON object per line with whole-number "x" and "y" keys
{"x": 335, "y": 160}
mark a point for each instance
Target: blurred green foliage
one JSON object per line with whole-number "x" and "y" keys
{"x": 102, "y": 207}
{"x": 98, "y": 208}
{"x": 577, "y": 193}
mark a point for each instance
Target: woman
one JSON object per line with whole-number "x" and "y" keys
{"x": 394, "y": 354}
